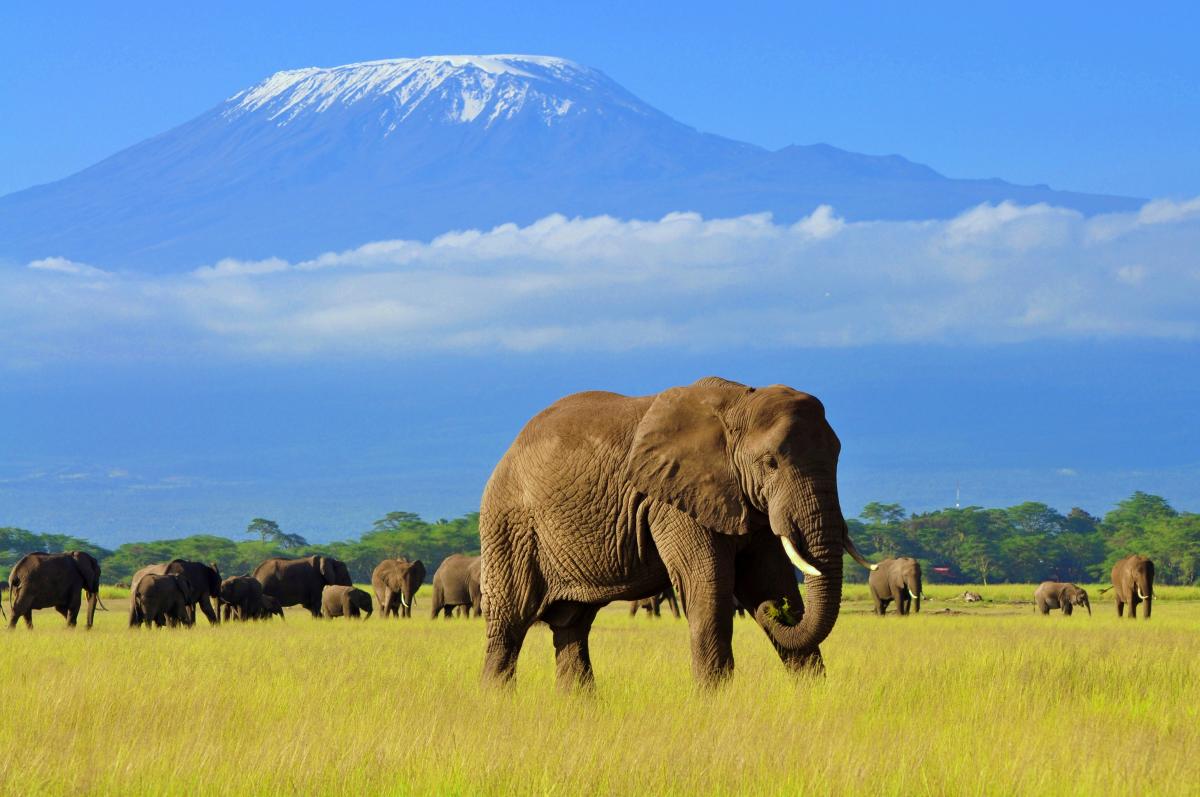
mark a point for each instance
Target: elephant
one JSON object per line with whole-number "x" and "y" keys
{"x": 40, "y": 580}
{"x": 242, "y": 598}
{"x": 1059, "y": 595}
{"x": 161, "y": 599}
{"x": 342, "y": 601}
{"x": 896, "y": 580}
{"x": 1133, "y": 583}
{"x": 300, "y": 581}
{"x": 269, "y": 608}
{"x": 456, "y": 583}
{"x": 653, "y": 604}
{"x": 204, "y": 583}
{"x": 971, "y": 597}
{"x": 395, "y": 582}
{"x": 715, "y": 488}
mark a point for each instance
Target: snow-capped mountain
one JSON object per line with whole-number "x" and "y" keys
{"x": 319, "y": 159}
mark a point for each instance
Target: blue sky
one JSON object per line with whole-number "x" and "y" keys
{"x": 1099, "y": 97}
{"x": 1022, "y": 353}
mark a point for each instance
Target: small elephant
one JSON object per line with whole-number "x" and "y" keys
{"x": 456, "y": 583}
{"x": 300, "y": 581}
{"x": 1059, "y": 595}
{"x": 161, "y": 600}
{"x": 395, "y": 582}
{"x": 241, "y": 598}
{"x": 40, "y": 580}
{"x": 268, "y": 608}
{"x": 652, "y": 604}
{"x": 1133, "y": 583}
{"x": 896, "y": 580}
{"x": 342, "y": 601}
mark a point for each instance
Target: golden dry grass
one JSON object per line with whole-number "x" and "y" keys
{"x": 992, "y": 701}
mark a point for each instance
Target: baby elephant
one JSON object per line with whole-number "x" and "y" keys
{"x": 339, "y": 601}
{"x": 1057, "y": 595}
{"x": 160, "y": 599}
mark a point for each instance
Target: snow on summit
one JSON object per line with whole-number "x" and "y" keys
{"x": 445, "y": 88}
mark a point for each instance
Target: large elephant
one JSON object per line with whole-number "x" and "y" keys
{"x": 456, "y": 583}
{"x": 348, "y": 602}
{"x": 1133, "y": 583}
{"x": 653, "y": 605}
{"x": 896, "y": 580}
{"x": 204, "y": 584}
{"x": 41, "y": 580}
{"x": 161, "y": 599}
{"x": 1060, "y": 595}
{"x": 395, "y": 582}
{"x": 716, "y": 488}
{"x": 300, "y": 581}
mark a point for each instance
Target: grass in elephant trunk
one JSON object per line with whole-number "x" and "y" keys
{"x": 988, "y": 702}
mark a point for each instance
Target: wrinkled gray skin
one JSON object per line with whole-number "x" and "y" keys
{"x": 348, "y": 602}
{"x": 395, "y": 583}
{"x": 456, "y": 583}
{"x": 241, "y": 598}
{"x": 653, "y": 605}
{"x": 300, "y": 581}
{"x": 41, "y": 580}
{"x": 1060, "y": 595}
{"x": 161, "y": 599}
{"x": 1133, "y": 583}
{"x": 204, "y": 581}
{"x": 896, "y": 580}
{"x": 606, "y": 497}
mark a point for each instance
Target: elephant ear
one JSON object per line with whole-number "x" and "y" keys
{"x": 88, "y": 568}
{"x": 326, "y": 569}
{"x": 681, "y": 454}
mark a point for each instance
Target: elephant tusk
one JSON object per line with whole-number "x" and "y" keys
{"x": 798, "y": 560}
{"x": 910, "y": 594}
{"x": 402, "y": 601}
{"x": 858, "y": 557}
{"x": 1140, "y": 595}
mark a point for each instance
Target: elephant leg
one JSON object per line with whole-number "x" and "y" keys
{"x": 207, "y": 608}
{"x": 505, "y": 635}
{"x": 703, "y": 565}
{"x": 72, "y": 610}
{"x": 880, "y": 604}
{"x": 1120, "y": 609}
{"x": 1146, "y": 608}
{"x": 571, "y": 623}
{"x": 1133, "y": 607}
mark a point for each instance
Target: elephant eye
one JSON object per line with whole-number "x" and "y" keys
{"x": 769, "y": 462}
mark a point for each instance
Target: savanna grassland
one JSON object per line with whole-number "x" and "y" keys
{"x": 984, "y": 699}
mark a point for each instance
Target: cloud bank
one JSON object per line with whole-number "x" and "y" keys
{"x": 996, "y": 273}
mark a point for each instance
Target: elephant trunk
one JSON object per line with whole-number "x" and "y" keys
{"x": 818, "y": 529}
{"x": 1087, "y": 605}
{"x": 92, "y": 599}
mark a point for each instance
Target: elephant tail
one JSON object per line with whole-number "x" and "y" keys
{"x": 1106, "y": 589}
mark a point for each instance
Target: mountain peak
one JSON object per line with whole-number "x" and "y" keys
{"x": 447, "y": 88}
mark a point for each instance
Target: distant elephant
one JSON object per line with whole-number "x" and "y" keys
{"x": 1059, "y": 595}
{"x": 971, "y": 597}
{"x": 348, "y": 602}
{"x": 653, "y": 604}
{"x": 896, "y": 580}
{"x": 1133, "y": 583}
{"x": 395, "y": 582}
{"x": 161, "y": 599}
{"x": 240, "y": 598}
{"x": 41, "y": 580}
{"x": 300, "y": 581}
{"x": 717, "y": 488}
{"x": 456, "y": 583}
{"x": 204, "y": 582}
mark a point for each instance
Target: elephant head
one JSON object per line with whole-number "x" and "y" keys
{"x": 89, "y": 571}
{"x": 908, "y": 573}
{"x": 1072, "y": 595}
{"x": 333, "y": 571}
{"x": 736, "y": 458}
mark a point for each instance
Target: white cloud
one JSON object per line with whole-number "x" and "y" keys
{"x": 64, "y": 266}
{"x": 996, "y": 273}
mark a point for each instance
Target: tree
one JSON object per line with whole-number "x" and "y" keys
{"x": 265, "y": 530}
{"x": 883, "y": 528}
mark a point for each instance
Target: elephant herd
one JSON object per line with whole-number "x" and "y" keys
{"x": 717, "y": 490}
{"x": 169, "y": 594}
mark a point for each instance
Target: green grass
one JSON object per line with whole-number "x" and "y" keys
{"x": 995, "y": 700}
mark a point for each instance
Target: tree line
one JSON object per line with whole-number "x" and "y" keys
{"x": 1026, "y": 543}
{"x": 1031, "y": 542}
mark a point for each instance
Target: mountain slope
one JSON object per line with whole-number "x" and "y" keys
{"x": 312, "y": 160}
